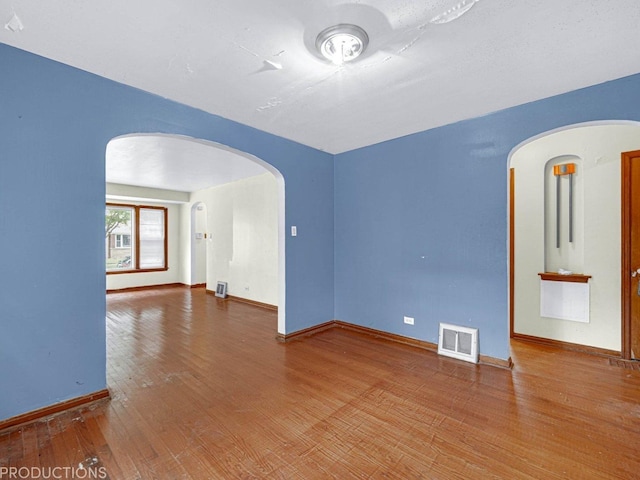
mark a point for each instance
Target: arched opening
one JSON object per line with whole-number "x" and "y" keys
{"x": 565, "y": 235}
{"x": 171, "y": 169}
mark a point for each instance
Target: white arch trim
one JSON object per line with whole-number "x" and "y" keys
{"x": 573, "y": 126}
{"x": 281, "y": 208}
{"x": 564, "y": 128}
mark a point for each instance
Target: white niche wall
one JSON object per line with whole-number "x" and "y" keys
{"x": 565, "y": 254}
{"x": 595, "y": 251}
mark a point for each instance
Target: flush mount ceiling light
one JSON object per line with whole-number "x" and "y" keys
{"x": 342, "y": 43}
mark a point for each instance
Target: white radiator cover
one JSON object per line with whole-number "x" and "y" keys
{"x": 565, "y": 301}
{"x": 458, "y": 342}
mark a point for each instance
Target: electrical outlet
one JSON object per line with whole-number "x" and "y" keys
{"x": 408, "y": 320}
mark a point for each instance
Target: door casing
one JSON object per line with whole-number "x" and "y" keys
{"x": 628, "y": 265}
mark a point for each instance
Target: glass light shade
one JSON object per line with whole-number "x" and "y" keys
{"x": 342, "y": 43}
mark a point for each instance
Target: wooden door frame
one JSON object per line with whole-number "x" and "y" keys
{"x": 626, "y": 251}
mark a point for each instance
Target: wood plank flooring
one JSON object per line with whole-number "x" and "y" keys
{"x": 201, "y": 390}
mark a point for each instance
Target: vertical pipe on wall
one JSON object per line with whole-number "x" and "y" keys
{"x": 571, "y": 208}
{"x": 557, "y": 211}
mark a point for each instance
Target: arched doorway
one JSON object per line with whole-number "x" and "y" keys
{"x": 152, "y": 161}
{"x": 585, "y": 246}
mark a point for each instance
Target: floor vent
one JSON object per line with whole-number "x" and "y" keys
{"x": 221, "y": 290}
{"x": 458, "y": 342}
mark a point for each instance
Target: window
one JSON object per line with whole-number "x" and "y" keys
{"x": 123, "y": 241}
{"x": 135, "y": 238}
{"x": 151, "y": 238}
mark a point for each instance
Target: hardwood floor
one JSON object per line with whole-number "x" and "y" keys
{"x": 201, "y": 389}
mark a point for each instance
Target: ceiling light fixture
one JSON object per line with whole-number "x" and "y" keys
{"x": 342, "y": 43}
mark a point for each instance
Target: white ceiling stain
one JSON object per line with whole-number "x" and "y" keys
{"x": 14, "y": 24}
{"x": 415, "y": 74}
{"x": 267, "y": 64}
{"x": 454, "y": 12}
{"x": 274, "y": 102}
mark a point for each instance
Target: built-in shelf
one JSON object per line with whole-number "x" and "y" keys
{"x": 558, "y": 277}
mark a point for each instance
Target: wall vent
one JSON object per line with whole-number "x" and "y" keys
{"x": 221, "y": 290}
{"x": 458, "y": 342}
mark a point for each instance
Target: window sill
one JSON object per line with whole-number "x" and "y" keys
{"x": 142, "y": 270}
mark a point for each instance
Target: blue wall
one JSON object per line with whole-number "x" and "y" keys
{"x": 421, "y": 221}
{"x": 415, "y": 226}
{"x": 55, "y": 123}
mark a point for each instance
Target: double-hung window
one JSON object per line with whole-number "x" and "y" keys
{"x": 135, "y": 238}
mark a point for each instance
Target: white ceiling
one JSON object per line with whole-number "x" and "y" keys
{"x": 415, "y": 75}
{"x": 174, "y": 163}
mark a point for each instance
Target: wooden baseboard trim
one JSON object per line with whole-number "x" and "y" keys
{"x": 147, "y": 287}
{"x": 623, "y": 363}
{"x": 198, "y": 285}
{"x": 288, "y": 337}
{"x": 391, "y": 337}
{"x": 53, "y": 409}
{"x": 429, "y": 346}
{"x": 496, "y": 362}
{"x": 602, "y": 352}
{"x": 266, "y": 306}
